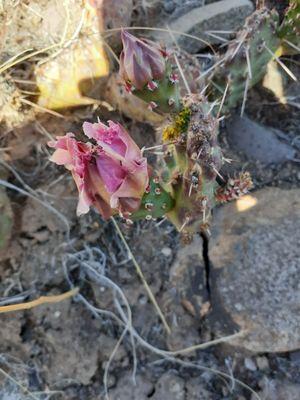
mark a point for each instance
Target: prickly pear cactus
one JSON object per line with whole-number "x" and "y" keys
{"x": 244, "y": 64}
{"x": 188, "y": 184}
{"x": 186, "y": 189}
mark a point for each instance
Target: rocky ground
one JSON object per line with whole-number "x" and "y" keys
{"x": 245, "y": 280}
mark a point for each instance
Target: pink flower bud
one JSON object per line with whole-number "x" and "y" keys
{"x": 111, "y": 175}
{"x": 141, "y": 61}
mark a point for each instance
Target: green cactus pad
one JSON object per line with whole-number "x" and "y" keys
{"x": 193, "y": 164}
{"x": 166, "y": 96}
{"x": 258, "y": 35}
{"x": 155, "y": 203}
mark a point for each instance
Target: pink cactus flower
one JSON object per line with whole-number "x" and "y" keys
{"x": 141, "y": 61}
{"x": 111, "y": 175}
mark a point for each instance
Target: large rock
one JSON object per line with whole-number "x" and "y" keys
{"x": 221, "y": 15}
{"x": 258, "y": 142}
{"x": 255, "y": 256}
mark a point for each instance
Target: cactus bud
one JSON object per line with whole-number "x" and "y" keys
{"x": 147, "y": 73}
{"x": 141, "y": 61}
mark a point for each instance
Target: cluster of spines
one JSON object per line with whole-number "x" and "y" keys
{"x": 234, "y": 188}
{"x": 194, "y": 162}
{"x": 245, "y": 61}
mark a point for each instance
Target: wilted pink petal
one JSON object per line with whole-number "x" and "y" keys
{"x": 111, "y": 172}
{"x": 111, "y": 175}
{"x": 122, "y": 167}
{"x": 133, "y": 186}
{"x": 76, "y": 157}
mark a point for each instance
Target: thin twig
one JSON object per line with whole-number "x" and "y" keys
{"x": 216, "y": 37}
{"x": 44, "y": 109}
{"x": 23, "y": 388}
{"x": 147, "y": 28}
{"x": 141, "y": 275}
{"x": 126, "y": 321}
{"x": 37, "y": 302}
{"x": 13, "y": 62}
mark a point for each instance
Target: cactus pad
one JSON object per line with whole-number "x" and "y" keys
{"x": 244, "y": 64}
{"x": 165, "y": 96}
{"x": 155, "y": 203}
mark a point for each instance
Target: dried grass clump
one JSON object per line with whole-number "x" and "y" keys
{"x": 13, "y": 112}
{"x": 35, "y": 24}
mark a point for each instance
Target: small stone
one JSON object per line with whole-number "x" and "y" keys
{"x": 169, "y": 6}
{"x": 258, "y": 142}
{"x": 250, "y": 364}
{"x": 166, "y": 251}
{"x": 262, "y": 363}
{"x": 169, "y": 387}
{"x": 195, "y": 390}
{"x": 143, "y": 300}
{"x": 127, "y": 390}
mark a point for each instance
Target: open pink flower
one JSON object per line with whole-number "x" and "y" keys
{"x": 141, "y": 61}
{"x": 111, "y": 175}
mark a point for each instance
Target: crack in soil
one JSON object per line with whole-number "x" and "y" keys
{"x": 207, "y": 266}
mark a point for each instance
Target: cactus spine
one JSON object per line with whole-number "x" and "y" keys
{"x": 244, "y": 64}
